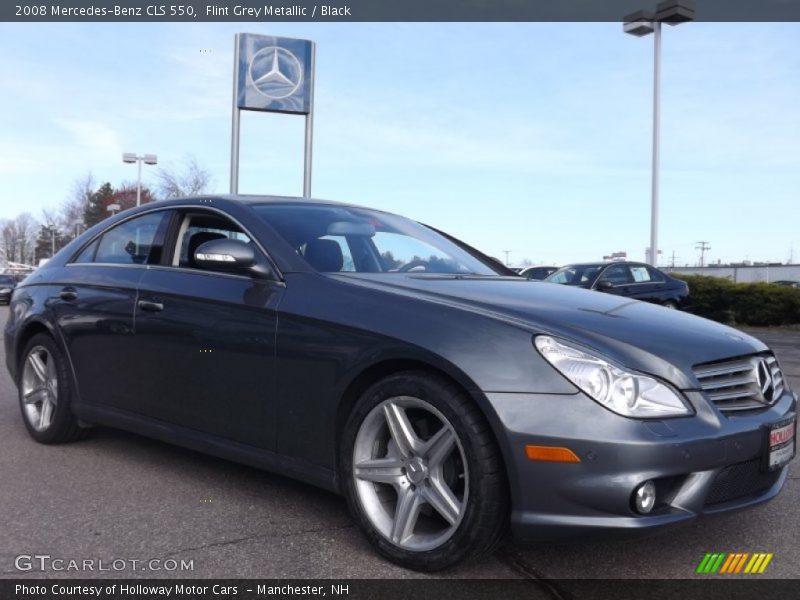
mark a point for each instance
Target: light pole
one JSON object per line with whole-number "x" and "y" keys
{"x": 643, "y": 23}
{"x": 113, "y": 209}
{"x": 148, "y": 159}
{"x": 53, "y": 231}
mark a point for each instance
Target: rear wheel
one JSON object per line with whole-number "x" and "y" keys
{"x": 45, "y": 393}
{"x": 422, "y": 473}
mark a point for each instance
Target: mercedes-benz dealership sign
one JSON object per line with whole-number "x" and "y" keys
{"x": 274, "y": 74}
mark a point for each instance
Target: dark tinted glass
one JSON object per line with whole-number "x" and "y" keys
{"x": 342, "y": 238}
{"x": 132, "y": 242}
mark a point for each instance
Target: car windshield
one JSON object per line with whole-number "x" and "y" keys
{"x": 575, "y": 275}
{"x": 346, "y": 239}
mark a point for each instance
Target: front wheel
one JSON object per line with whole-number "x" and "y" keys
{"x": 422, "y": 473}
{"x": 45, "y": 393}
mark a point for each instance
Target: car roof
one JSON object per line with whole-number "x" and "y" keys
{"x": 265, "y": 199}
{"x": 605, "y": 264}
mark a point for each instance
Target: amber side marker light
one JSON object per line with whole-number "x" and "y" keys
{"x": 551, "y": 454}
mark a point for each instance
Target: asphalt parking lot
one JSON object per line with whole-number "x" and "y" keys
{"x": 122, "y": 496}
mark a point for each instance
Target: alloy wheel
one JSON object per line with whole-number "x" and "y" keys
{"x": 39, "y": 388}
{"x": 410, "y": 473}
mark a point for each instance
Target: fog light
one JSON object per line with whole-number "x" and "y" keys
{"x": 644, "y": 498}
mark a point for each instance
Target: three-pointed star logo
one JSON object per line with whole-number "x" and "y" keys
{"x": 765, "y": 380}
{"x": 275, "y": 72}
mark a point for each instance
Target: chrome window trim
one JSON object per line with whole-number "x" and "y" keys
{"x": 97, "y": 264}
{"x": 594, "y": 285}
{"x": 255, "y": 240}
{"x": 192, "y": 271}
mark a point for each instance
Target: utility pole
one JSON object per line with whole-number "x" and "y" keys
{"x": 703, "y": 247}
{"x": 507, "y": 252}
{"x": 672, "y": 260}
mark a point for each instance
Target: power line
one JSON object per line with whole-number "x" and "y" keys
{"x": 703, "y": 247}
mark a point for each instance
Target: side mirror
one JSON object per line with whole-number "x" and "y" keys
{"x": 603, "y": 285}
{"x": 225, "y": 255}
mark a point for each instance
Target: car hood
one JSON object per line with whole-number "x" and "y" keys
{"x": 638, "y": 334}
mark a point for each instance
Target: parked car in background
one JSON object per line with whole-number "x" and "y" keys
{"x": 7, "y": 285}
{"x": 787, "y": 283}
{"x": 629, "y": 279}
{"x": 446, "y": 398}
{"x": 537, "y": 273}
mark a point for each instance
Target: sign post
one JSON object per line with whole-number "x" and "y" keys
{"x": 272, "y": 74}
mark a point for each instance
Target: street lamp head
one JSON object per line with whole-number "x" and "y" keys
{"x": 128, "y": 157}
{"x": 150, "y": 159}
{"x": 113, "y": 208}
{"x": 673, "y": 12}
{"x": 639, "y": 23}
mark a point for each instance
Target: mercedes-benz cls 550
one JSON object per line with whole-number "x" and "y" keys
{"x": 447, "y": 399}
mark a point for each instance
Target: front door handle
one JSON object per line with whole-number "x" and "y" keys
{"x": 68, "y": 294}
{"x": 150, "y": 306}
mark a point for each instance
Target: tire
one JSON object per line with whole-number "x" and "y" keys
{"x": 39, "y": 395}
{"x": 448, "y": 472}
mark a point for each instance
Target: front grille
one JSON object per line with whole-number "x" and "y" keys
{"x": 750, "y": 383}
{"x": 741, "y": 480}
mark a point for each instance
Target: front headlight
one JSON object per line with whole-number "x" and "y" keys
{"x": 624, "y": 392}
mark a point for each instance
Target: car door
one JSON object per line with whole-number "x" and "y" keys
{"x": 615, "y": 279}
{"x": 93, "y": 306}
{"x": 206, "y": 340}
{"x": 648, "y": 284}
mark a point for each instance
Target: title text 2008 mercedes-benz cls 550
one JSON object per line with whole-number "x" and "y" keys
{"x": 445, "y": 398}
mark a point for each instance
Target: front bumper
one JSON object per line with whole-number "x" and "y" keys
{"x": 704, "y": 464}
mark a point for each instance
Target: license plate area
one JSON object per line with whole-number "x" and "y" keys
{"x": 780, "y": 444}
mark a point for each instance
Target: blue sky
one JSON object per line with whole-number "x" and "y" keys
{"x": 533, "y": 138}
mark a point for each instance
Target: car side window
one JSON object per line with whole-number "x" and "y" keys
{"x": 655, "y": 275}
{"x": 135, "y": 241}
{"x": 617, "y": 275}
{"x": 641, "y": 274}
{"x": 198, "y": 229}
{"x": 87, "y": 254}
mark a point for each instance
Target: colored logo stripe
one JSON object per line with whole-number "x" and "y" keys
{"x": 733, "y": 563}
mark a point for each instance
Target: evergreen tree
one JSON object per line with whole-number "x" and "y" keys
{"x": 95, "y": 210}
{"x": 44, "y": 242}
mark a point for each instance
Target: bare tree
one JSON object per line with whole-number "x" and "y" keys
{"x": 190, "y": 179}
{"x": 6, "y": 240}
{"x": 18, "y": 238}
{"x": 26, "y": 228}
{"x": 73, "y": 208}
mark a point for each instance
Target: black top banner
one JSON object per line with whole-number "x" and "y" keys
{"x": 257, "y": 11}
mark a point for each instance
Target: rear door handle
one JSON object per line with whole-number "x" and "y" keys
{"x": 150, "y": 305}
{"x": 68, "y": 294}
